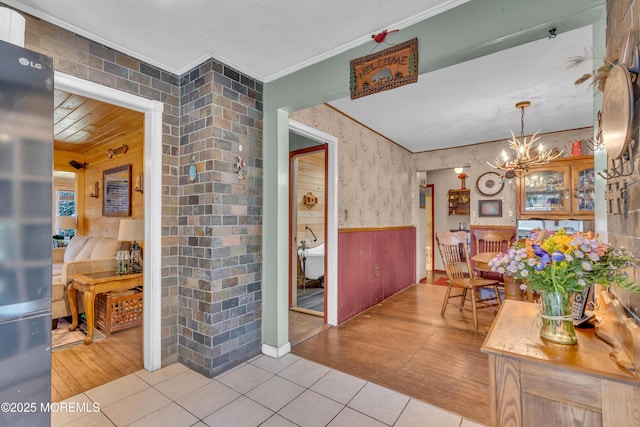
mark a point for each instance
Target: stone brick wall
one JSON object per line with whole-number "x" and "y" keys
{"x": 220, "y": 219}
{"x": 624, "y": 229}
{"x": 211, "y": 228}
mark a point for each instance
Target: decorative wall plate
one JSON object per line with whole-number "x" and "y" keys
{"x": 617, "y": 111}
{"x": 489, "y": 184}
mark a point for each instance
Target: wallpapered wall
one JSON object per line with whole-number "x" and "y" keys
{"x": 375, "y": 175}
{"x": 375, "y": 182}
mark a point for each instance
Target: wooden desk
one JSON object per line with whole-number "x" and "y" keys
{"x": 533, "y": 382}
{"x": 511, "y": 288}
{"x": 91, "y": 284}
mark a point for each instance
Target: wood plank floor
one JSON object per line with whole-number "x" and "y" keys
{"x": 303, "y": 326}
{"x": 404, "y": 344}
{"x": 81, "y": 368}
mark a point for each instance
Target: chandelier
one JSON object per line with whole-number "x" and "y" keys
{"x": 526, "y": 156}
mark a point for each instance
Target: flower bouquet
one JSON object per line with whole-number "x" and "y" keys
{"x": 557, "y": 264}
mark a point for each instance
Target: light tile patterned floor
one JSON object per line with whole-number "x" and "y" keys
{"x": 289, "y": 391}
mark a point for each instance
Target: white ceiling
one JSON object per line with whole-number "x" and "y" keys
{"x": 474, "y": 101}
{"x": 463, "y": 104}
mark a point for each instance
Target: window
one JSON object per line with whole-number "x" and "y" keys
{"x": 66, "y": 203}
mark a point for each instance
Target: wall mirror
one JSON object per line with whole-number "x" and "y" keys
{"x": 116, "y": 189}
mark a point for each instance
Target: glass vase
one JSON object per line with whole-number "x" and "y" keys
{"x": 557, "y": 318}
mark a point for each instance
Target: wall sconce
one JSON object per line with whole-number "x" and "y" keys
{"x": 113, "y": 152}
{"x": 94, "y": 190}
{"x": 139, "y": 187}
{"x": 76, "y": 164}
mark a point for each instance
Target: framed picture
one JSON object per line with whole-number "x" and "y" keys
{"x": 490, "y": 208}
{"x": 423, "y": 191}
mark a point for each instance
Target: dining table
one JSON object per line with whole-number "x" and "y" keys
{"x": 512, "y": 289}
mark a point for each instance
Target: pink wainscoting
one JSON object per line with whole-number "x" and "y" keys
{"x": 392, "y": 251}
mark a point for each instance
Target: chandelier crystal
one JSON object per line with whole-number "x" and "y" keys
{"x": 526, "y": 155}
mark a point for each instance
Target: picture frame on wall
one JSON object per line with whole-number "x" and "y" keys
{"x": 423, "y": 195}
{"x": 490, "y": 208}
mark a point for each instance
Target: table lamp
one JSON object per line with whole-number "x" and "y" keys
{"x": 65, "y": 223}
{"x": 133, "y": 230}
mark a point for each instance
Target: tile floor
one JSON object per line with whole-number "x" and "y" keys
{"x": 289, "y": 391}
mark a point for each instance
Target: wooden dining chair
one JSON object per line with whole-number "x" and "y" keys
{"x": 455, "y": 256}
{"x": 492, "y": 241}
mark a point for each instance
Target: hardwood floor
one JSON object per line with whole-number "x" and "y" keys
{"x": 404, "y": 344}
{"x": 303, "y": 326}
{"x": 81, "y": 368}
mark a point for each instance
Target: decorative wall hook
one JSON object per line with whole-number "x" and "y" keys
{"x": 113, "y": 152}
{"x": 624, "y": 166}
{"x": 595, "y": 144}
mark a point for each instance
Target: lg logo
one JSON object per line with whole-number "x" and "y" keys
{"x": 26, "y": 62}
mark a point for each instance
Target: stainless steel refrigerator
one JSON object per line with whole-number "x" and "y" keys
{"x": 26, "y": 158}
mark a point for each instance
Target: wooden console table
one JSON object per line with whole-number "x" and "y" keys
{"x": 91, "y": 284}
{"x": 534, "y": 382}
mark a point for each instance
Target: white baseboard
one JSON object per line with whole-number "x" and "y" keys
{"x": 276, "y": 352}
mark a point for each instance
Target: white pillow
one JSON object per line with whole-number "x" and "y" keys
{"x": 105, "y": 248}
{"x": 86, "y": 251}
{"x": 75, "y": 246}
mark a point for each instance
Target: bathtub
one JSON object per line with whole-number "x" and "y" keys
{"x": 314, "y": 264}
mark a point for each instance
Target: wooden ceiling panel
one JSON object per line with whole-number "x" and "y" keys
{"x": 81, "y": 123}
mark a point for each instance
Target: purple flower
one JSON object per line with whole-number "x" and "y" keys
{"x": 558, "y": 256}
{"x": 544, "y": 256}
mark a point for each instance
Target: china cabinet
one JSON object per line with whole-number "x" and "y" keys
{"x": 561, "y": 189}
{"x": 459, "y": 202}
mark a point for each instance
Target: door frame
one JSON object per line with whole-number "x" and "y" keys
{"x": 433, "y": 232}
{"x": 293, "y": 156}
{"x": 331, "y": 218}
{"x": 152, "y": 302}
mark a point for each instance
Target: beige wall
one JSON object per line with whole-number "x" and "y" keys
{"x": 375, "y": 177}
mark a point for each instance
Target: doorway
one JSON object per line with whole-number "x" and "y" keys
{"x": 301, "y": 325}
{"x": 84, "y": 139}
{"x": 308, "y": 184}
{"x": 152, "y": 177}
{"x": 429, "y": 227}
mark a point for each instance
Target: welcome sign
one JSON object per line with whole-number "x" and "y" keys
{"x": 384, "y": 70}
